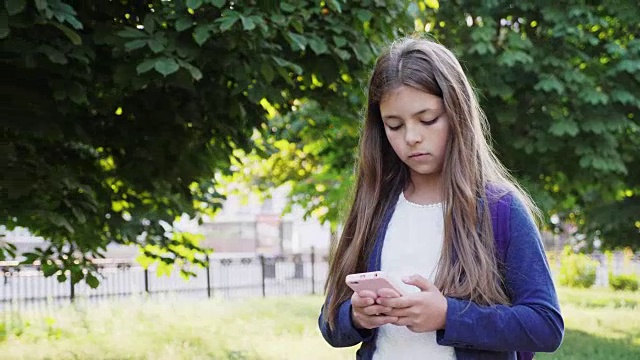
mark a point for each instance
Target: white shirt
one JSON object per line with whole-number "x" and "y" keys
{"x": 412, "y": 245}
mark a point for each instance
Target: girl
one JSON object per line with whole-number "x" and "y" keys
{"x": 425, "y": 198}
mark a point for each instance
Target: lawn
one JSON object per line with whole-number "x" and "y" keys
{"x": 600, "y": 325}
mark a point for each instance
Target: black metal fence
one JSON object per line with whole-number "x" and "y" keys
{"x": 227, "y": 276}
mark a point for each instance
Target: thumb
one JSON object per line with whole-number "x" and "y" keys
{"x": 420, "y": 282}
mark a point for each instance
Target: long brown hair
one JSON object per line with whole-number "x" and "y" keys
{"x": 467, "y": 267}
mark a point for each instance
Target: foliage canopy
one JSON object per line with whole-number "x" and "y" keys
{"x": 122, "y": 112}
{"x": 560, "y": 85}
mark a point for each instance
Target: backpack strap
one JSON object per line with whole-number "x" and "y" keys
{"x": 500, "y": 220}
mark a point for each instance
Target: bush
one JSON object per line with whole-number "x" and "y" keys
{"x": 623, "y": 282}
{"x": 577, "y": 270}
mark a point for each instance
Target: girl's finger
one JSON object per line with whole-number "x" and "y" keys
{"x": 378, "y": 321}
{"x": 376, "y": 310}
{"x": 399, "y": 302}
{"x": 404, "y": 312}
{"x": 357, "y": 301}
{"x": 367, "y": 294}
{"x": 388, "y": 293}
{"x": 403, "y": 321}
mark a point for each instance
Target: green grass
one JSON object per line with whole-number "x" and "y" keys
{"x": 600, "y": 325}
{"x": 273, "y": 328}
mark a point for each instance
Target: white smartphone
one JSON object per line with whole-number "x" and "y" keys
{"x": 373, "y": 281}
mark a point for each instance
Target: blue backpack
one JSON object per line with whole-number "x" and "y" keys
{"x": 500, "y": 217}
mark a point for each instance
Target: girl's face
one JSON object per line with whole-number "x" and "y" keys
{"x": 417, "y": 128}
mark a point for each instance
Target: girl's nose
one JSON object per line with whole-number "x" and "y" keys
{"x": 412, "y": 135}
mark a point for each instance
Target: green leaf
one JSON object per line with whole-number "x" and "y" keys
{"x": 78, "y": 95}
{"x": 339, "y": 41}
{"x": 507, "y": 115}
{"x": 131, "y": 33}
{"x": 92, "y": 281}
{"x": 247, "y": 23}
{"x": 65, "y": 8}
{"x": 183, "y": 23}
{"x": 29, "y": 258}
{"x": 74, "y": 22}
{"x": 4, "y": 24}
{"x": 564, "y": 127}
{"x": 267, "y": 72}
{"x": 549, "y": 83}
{"x": 76, "y": 275}
{"x": 144, "y": 261}
{"x": 342, "y": 54}
{"x": 594, "y": 97}
{"x": 297, "y": 25}
{"x": 149, "y": 23}
{"x": 624, "y": 97}
{"x": 278, "y": 19}
{"x": 218, "y": 3}
{"x": 364, "y": 15}
{"x": 286, "y": 7}
{"x": 194, "y": 4}
{"x": 413, "y": 10}
{"x": 72, "y": 35}
{"x": 41, "y": 5}
{"x": 196, "y": 74}
{"x": 628, "y": 65}
{"x": 586, "y": 161}
{"x": 8, "y": 249}
{"x": 82, "y": 218}
{"x": 48, "y": 268}
{"x": 156, "y": 45}
{"x": 317, "y": 45}
{"x": 145, "y": 66}
{"x": 15, "y": 7}
{"x": 227, "y": 22}
{"x": 61, "y": 221}
{"x": 594, "y": 125}
{"x": 432, "y": 4}
{"x": 166, "y": 66}
{"x": 482, "y": 48}
{"x": 299, "y": 41}
{"x": 135, "y": 44}
{"x": 510, "y": 58}
{"x": 55, "y": 55}
{"x": 285, "y": 75}
{"x": 363, "y": 52}
{"x": 284, "y": 63}
{"x": 201, "y": 34}
{"x": 335, "y": 5}
{"x": 499, "y": 88}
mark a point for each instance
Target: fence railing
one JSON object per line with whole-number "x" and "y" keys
{"x": 226, "y": 276}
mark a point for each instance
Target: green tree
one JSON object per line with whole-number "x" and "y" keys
{"x": 121, "y": 113}
{"x": 560, "y": 83}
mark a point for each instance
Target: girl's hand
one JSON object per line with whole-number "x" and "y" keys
{"x": 366, "y": 314}
{"x": 420, "y": 312}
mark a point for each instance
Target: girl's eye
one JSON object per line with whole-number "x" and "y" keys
{"x": 430, "y": 122}
{"x": 394, "y": 128}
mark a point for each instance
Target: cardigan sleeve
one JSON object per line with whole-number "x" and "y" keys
{"x": 345, "y": 333}
{"x": 533, "y": 321}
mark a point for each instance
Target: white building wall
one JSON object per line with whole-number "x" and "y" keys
{"x": 304, "y": 234}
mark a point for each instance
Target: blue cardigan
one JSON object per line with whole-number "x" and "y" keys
{"x": 532, "y": 323}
